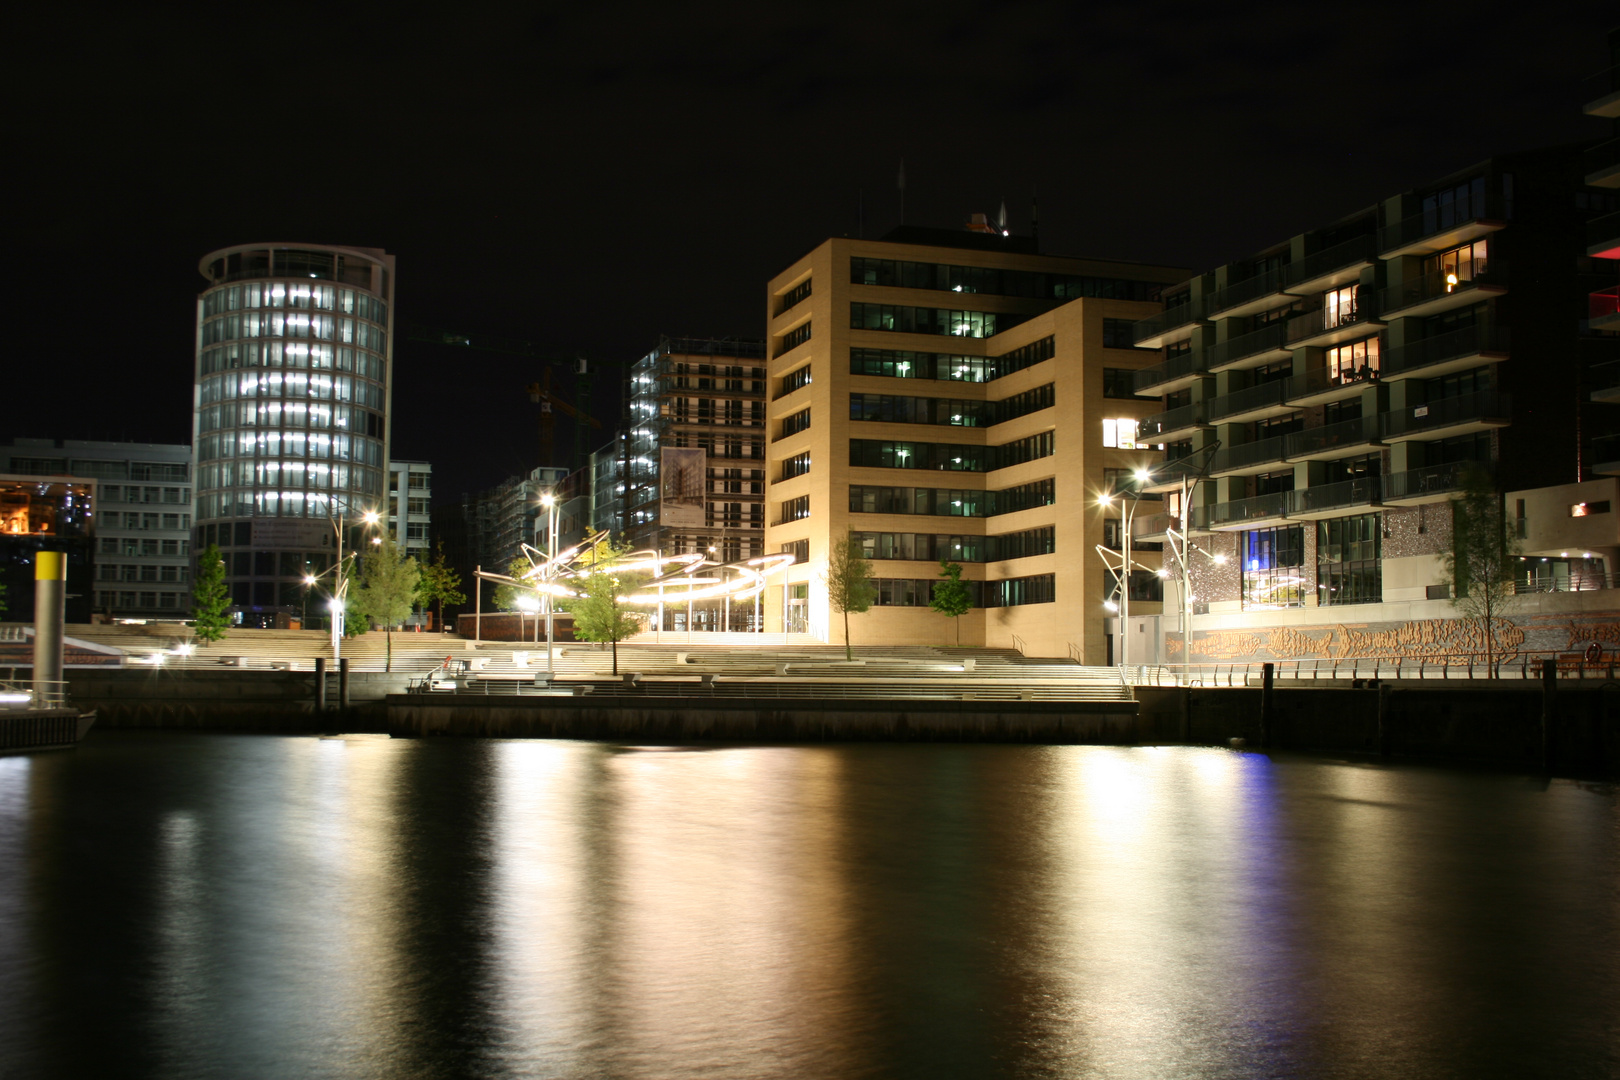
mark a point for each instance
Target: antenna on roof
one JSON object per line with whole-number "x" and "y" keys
{"x": 901, "y": 183}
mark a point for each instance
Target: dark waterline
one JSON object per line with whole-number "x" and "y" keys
{"x": 185, "y": 906}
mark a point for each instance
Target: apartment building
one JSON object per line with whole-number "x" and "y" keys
{"x": 958, "y": 395}
{"x": 410, "y": 504}
{"x": 1326, "y": 397}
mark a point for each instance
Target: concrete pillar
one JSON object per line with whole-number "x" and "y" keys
{"x": 320, "y": 684}
{"x": 343, "y": 684}
{"x": 50, "y": 612}
{"x": 1267, "y": 671}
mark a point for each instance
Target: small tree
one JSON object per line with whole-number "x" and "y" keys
{"x": 849, "y": 582}
{"x": 210, "y": 599}
{"x": 952, "y": 597}
{"x": 507, "y": 596}
{"x": 1483, "y": 559}
{"x": 389, "y": 580}
{"x": 441, "y": 585}
{"x": 600, "y": 613}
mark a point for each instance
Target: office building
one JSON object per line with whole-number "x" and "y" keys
{"x": 958, "y": 395}
{"x": 291, "y": 430}
{"x": 410, "y": 504}
{"x": 141, "y": 518}
{"x": 1327, "y": 396}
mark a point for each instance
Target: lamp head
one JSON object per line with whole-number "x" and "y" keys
{"x": 1143, "y": 476}
{"x": 370, "y": 517}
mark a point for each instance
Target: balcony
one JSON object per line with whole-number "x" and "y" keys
{"x": 1322, "y": 386}
{"x": 1249, "y": 350}
{"x": 1603, "y": 237}
{"x": 1259, "y": 293}
{"x": 1245, "y": 459}
{"x": 1602, "y": 164}
{"x": 1603, "y": 310}
{"x": 1443, "y": 227}
{"x": 1169, "y": 326}
{"x": 1243, "y": 513}
{"x": 1332, "y": 267}
{"x": 1172, "y": 425}
{"x": 1605, "y": 383}
{"x": 1333, "y": 500}
{"x": 1153, "y": 528}
{"x": 1258, "y": 402}
{"x": 1606, "y": 455}
{"x": 1443, "y": 354}
{"x": 1348, "y": 438}
{"x": 1175, "y": 373}
{"x": 1432, "y": 483}
{"x": 1430, "y": 294}
{"x": 1601, "y": 92}
{"x": 1478, "y": 411}
{"x": 1330, "y": 326}
{"x": 1167, "y": 475}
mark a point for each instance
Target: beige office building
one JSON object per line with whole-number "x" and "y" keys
{"x": 956, "y": 395}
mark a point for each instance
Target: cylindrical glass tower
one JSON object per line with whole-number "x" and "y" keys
{"x": 290, "y": 426}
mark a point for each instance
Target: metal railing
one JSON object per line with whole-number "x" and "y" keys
{"x": 1189, "y": 363}
{"x": 1429, "y": 480}
{"x": 1483, "y": 206}
{"x": 1602, "y": 156}
{"x": 1261, "y": 396}
{"x": 1241, "y": 292}
{"x": 1230, "y": 351}
{"x": 1361, "y": 431}
{"x": 1238, "y": 511}
{"x": 1171, "y": 420}
{"x": 1322, "y": 380}
{"x": 1169, "y": 319}
{"x": 1324, "y": 320}
{"x": 1478, "y": 406}
{"x": 1578, "y": 581}
{"x": 25, "y": 694}
{"x": 1361, "y": 491}
{"x": 1603, "y": 230}
{"x": 1436, "y": 284}
{"x": 1520, "y": 665}
{"x": 1358, "y": 249}
{"x": 1244, "y": 455}
{"x": 1426, "y": 352}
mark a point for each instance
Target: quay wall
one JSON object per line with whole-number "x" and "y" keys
{"x": 262, "y": 701}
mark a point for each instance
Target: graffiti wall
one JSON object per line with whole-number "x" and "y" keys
{"x": 1452, "y": 640}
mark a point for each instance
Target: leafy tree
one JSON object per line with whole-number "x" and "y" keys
{"x": 440, "y": 585}
{"x": 849, "y": 582}
{"x": 507, "y": 596}
{"x": 599, "y": 611}
{"x": 952, "y": 597}
{"x": 210, "y": 599}
{"x": 1483, "y": 559}
{"x": 389, "y": 580}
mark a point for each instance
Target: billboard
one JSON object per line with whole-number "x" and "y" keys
{"x": 682, "y": 483}
{"x": 291, "y": 534}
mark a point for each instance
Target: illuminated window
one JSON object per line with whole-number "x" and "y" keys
{"x": 1120, "y": 433}
{"x": 1339, "y": 307}
{"x": 1273, "y": 568}
{"x": 1352, "y": 362}
{"x": 1586, "y": 509}
{"x": 1460, "y": 264}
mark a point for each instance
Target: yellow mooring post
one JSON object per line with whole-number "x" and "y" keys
{"x": 50, "y": 611}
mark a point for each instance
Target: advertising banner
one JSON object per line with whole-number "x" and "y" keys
{"x": 682, "y": 478}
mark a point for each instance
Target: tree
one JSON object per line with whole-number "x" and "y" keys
{"x": 507, "y": 596}
{"x": 599, "y": 611}
{"x": 440, "y": 585}
{"x": 389, "y": 580}
{"x": 849, "y": 582}
{"x": 209, "y": 597}
{"x": 1483, "y": 559}
{"x": 952, "y": 597}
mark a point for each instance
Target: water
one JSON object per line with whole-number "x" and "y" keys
{"x": 224, "y": 906}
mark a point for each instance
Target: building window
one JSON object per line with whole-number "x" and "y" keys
{"x": 1120, "y": 433}
{"x": 793, "y": 296}
{"x": 1353, "y": 362}
{"x": 1273, "y": 568}
{"x": 797, "y": 465}
{"x": 796, "y": 423}
{"x": 1119, "y": 383}
{"x": 1339, "y": 307}
{"x": 1586, "y": 509}
{"x": 794, "y": 338}
{"x": 1117, "y": 334}
{"x": 1460, "y": 264}
{"x": 1039, "y": 589}
{"x": 796, "y": 378}
{"x": 799, "y": 549}
{"x": 923, "y": 320}
{"x": 795, "y": 509}
{"x": 1348, "y": 568}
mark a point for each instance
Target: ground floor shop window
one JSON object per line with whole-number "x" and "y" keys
{"x": 1348, "y": 569}
{"x": 1274, "y": 568}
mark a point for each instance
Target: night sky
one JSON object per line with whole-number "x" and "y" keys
{"x": 586, "y": 179}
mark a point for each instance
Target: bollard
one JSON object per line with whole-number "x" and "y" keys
{"x": 343, "y": 684}
{"x": 1384, "y": 739}
{"x": 1549, "y": 698}
{"x": 1267, "y": 671}
{"x": 320, "y": 684}
{"x": 50, "y": 603}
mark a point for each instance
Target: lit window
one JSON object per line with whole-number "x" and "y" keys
{"x": 1120, "y": 433}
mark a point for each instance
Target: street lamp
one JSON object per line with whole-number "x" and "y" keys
{"x": 340, "y": 591}
{"x": 549, "y": 501}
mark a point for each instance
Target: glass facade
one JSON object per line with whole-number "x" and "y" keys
{"x": 293, "y": 361}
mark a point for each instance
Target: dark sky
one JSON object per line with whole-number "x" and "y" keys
{"x": 589, "y": 177}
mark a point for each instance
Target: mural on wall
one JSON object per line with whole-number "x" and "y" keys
{"x": 1452, "y": 640}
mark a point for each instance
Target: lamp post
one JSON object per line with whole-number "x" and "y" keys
{"x": 340, "y": 593}
{"x": 549, "y": 501}
{"x": 1127, "y": 512}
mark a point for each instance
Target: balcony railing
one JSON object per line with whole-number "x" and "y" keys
{"x": 1602, "y": 157}
{"x": 1167, "y": 320}
{"x": 1362, "y": 491}
{"x": 1247, "y": 399}
{"x": 1263, "y": 284}
{"x": 1600, "y": 84}
{"x": 1155, "y": 426}
{"x": 1239, "y": 511}
{"x": 1447, "y": 412}
{"x": 1433, "y": 286}
{"x": 1427, "y": 352}
{"x": 1312, "y": 323}
{"x": 1359, "y": 249}
{"x": 1429, "y": 480}
{"x": 1189, "y": 363}
{"x": 1232, "y": 350}
{"x": 1230, "y": 459}
{"x": 1604, "y": 231}
{"x": 1321, "y": 380}
{"x": 1362, "y": 431}
{"x": 1478, "y": 207}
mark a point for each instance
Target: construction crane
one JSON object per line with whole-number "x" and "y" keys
{"x": 541, "y": 393}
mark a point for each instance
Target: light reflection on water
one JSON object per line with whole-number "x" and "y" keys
{"x": 253, "y": 906}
